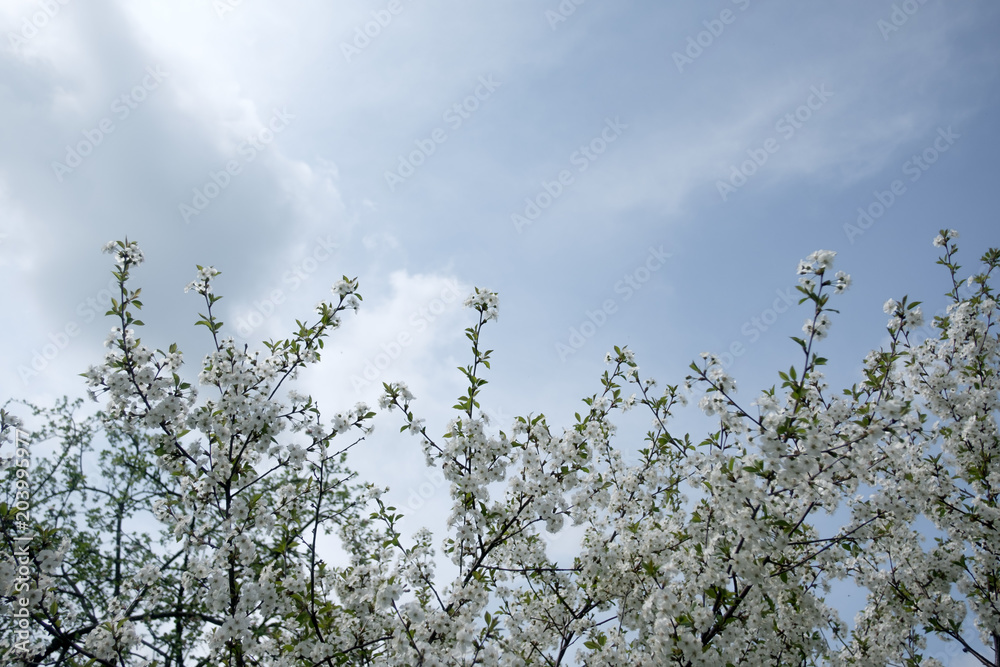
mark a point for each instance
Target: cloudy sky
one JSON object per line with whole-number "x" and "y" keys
{"x": 631, "y": 173}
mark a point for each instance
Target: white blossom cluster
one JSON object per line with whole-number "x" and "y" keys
{"x": 126, "y": 253}
{"x": 202, "y": 284}
{"x": 714, "y": 552}
{"x": 486, "y": 302}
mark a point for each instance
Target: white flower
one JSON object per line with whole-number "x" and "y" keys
{"x": 403, "y": 391}
{"x": 340, "y": 423}
{"x": 296, "y": 456}
{"x": 712, "y": 404}
{"x": 147, "y": 575}
{"x": 720, "y": 379}
{"x": 49, "y": 560}
{"x": 818, "y": 327}
{"x": 202, "y": 284}
{"x": 914, "y": 317}
{"x": 126, "y": 253}
{"x": 843, "y": 282}
{"x": 824, "y": 258}
{"x": 387, "y": 594}
{"x": 945, "y": 236}
{"x": 890, "y": 307}
{"x": 344, "y": 287}
{"x": 484, "y": 301}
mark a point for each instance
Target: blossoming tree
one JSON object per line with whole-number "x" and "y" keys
{"x": 713, "y": 551}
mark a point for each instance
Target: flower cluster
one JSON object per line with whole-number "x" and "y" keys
{"x": 815, "y": 267}
{"x": 485, "y": 302}
{"x": 903, "y": 315}
{"x": 127, "y": 253}
{"x": 202, "y": 284}
{"x": 946, "y": 235}
{"x": 817, "y": 327}
{"x": 712, "y": 551}
{"x": 346, "y": 290}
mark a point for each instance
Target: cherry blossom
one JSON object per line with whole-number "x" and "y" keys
{"x": 716, "y": 550}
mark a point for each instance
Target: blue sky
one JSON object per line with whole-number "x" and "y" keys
{"x": 641, "y": 173}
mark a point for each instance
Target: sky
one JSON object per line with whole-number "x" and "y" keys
{"x": 621, "y": 173}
